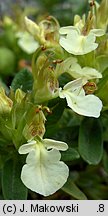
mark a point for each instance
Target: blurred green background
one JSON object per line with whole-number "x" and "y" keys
{"x": 63, "y": 10}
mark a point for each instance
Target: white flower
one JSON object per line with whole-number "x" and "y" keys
{"x": 86, "y": 72}
{"x": 74, "y": 42}
{"x": 86, "y": 105}
{"x": 64, "y": 66}
{"x": 43, "y": 172}
{"x": 75, "y": 70}
{"x": 26, "y": 42}
{"x": 71, "y": 66}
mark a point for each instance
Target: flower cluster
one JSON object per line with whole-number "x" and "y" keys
{"x": 72, "y": 51}
{"x": 44, "y": 172}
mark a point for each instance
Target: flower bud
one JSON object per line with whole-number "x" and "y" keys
{"x": 5, "y": 102}
{"x": 45, "y": 82}
{"x": 32, "y": 27}
{"x": 79, "y": 22}
{"x": 46, "y": 33}
{"x": 35, "y": 124}
{"x": 102, "y": 15}
{"x": 19, "y": 95}
{"x": 49, "y": 29}
{"x": 47, "y": 86}
{"x": 90, "y": 87}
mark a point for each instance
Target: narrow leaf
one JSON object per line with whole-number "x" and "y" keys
{"x": 73, "y": 190}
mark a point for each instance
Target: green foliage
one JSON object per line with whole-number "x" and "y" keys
{"x": 71, "y": 188}
{"x": 12, "y": 186}
{"x": 23, "y": 80}
{"x": 105, "y": 161}
{"x": 93, "y": 180}
{"x": 70, "y": 154}
{"x": 56, "y": 107}
{"x": 90, "y": 140}
{"x": 64, "y": 78}
{"x": 7, "y": 61}
{"x": 102, "y": 62}
{"x": 103, "y": 88}
{"x": 66, "y": 129}
{"x": 63, "y": 10}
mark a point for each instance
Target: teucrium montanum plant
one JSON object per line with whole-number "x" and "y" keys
{"x": 56, "y": 52}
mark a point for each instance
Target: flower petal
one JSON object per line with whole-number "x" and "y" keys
{"x": 26, "y": 148}
{"x": 91, "y": 73}
{"x": 88, "y": 105}
{"x": 33, "y": 157}
{"x": 97, "y": 32}
{"x": 87, "y": 72}
{"x": 78, "y": 44}
{"x": 68, "y": 44}
{"x": 27, "y": 43}
{"x": 64, "y": 66}
{"x": 31, "y": 26}
{"x": 49, "y": 143}
{"x": 67, "y": 29}
{"x": 47, "y": 174}
{"x": 87, "y": 44}
{"x": 73, "y": 85}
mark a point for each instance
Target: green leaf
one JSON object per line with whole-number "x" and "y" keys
{"x": 64, "y": 78}
{"x": 73, "y": 190}
{"x": 12, "y": 186}
{"x": 103, "y": 88}
{"x": 2, "y": 84}
{"x": 23, "y": 80}
{"x": 66, "y": 134}
{"x": 90, "y": 140}
{"x": 4, "y": 129}
{"x": 67, "y": 127}
{"x": 98, "y": 192}
{"x": 7, "y": 61}
{"x": 57, "y": 107}
{"x": 70, "y": 119}
{"x": 102, "y": 61}
{"x": 89, "y": 177}
{"x": 105, "y": 161}
{"x": 104, "y": 122}
{"x": 70, "y": 154}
